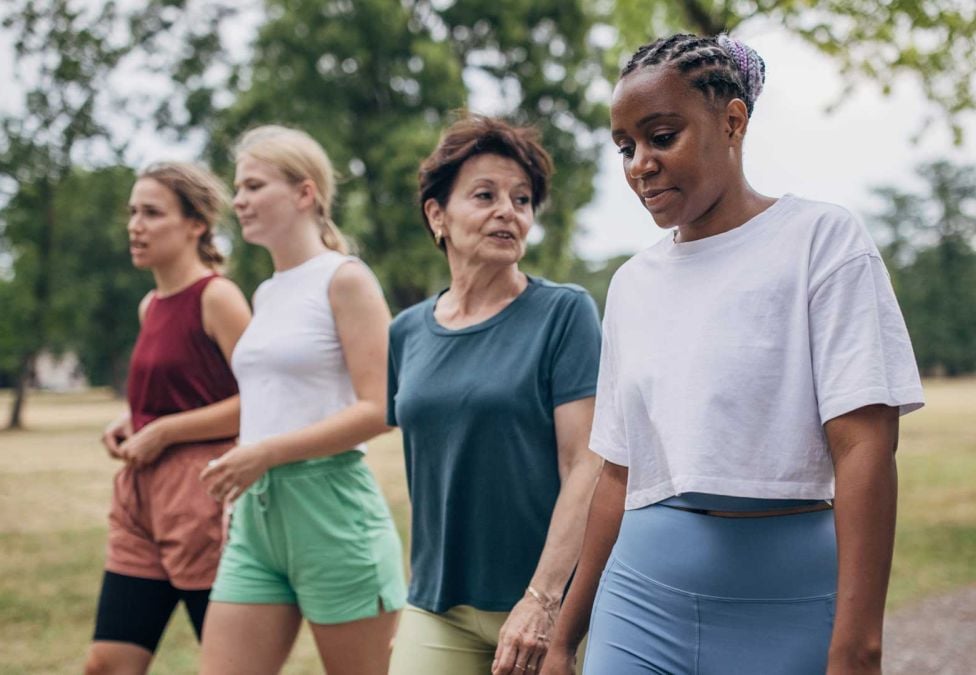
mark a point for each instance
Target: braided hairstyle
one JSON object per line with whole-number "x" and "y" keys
{"x": 721, "y": 67}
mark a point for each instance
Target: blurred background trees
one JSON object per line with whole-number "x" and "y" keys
{"x": 375, "y": 81}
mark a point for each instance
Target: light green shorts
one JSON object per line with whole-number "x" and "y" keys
{"x": 317, "y": 534}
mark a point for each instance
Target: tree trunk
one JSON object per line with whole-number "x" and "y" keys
{"x": 24, "y": 377}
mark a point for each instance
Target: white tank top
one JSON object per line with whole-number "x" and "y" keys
{"x": 289, "y": 362}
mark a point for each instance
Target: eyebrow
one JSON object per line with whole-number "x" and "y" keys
{"x": 647, "y": 119}
{"x": 492, "y": 183}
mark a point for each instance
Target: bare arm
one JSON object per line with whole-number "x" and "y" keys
{"x": 862, "y": 444}
{"x": 602, "y": 527}
{"x": 225, "y": 315}
{"x": 362, "y": 321}
{"x": 533, "y": 616}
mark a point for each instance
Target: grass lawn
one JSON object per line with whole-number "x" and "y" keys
{"x": 55, "y": 483}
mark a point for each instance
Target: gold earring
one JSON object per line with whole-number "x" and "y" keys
{"x": 438, "y": 237}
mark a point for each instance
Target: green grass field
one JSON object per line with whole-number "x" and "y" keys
{"x": 55, "y": 483}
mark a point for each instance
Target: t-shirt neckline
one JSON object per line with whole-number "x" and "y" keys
{"x": 733, "y": 236}
{"x": 302, "y": 265}
{"x": 507, "y": 311}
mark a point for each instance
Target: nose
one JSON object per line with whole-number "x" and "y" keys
{"x": 643, "y": 162}
{"x": 505, "y": 209}
{"x": 238, "y": 200}
{"x": 133, "y": 224}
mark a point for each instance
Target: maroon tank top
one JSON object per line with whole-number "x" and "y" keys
{"x": 175, "y": 365}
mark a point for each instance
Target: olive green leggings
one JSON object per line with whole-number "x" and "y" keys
{"x": 460, "y": 641}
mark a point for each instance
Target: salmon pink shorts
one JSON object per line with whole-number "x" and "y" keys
{"x": 163, "y": 524}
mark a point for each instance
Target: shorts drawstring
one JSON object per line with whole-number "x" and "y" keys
{"x": 260, "y": 489}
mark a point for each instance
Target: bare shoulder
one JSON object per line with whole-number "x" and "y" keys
{"x": 224, "y": 309}
{"x": 353, "y": 279}
{"x": 221, "y": 292}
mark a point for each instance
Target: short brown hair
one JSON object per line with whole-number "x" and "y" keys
{"x": 477, "y": 135}
{"x": 202, "y": 197}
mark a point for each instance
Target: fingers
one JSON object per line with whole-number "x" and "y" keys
{"x": 222, "y": 484}
{"x": 504, "y": 663}
{"x": 213, "y": 466}
{"x": 533, "y": 663}
{"x": 111, "y": 444}
{"x": 520, "y": 656}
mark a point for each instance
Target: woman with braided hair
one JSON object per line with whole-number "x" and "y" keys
{"x": 753, "y": 371}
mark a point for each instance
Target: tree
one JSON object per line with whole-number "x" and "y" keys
{"x": 67, "y": 54}
{"x": 369, "y": 81}
{"x": 541, "y": 57}
{"x": 928, "y": 245}
{"x": 934, "y": 42}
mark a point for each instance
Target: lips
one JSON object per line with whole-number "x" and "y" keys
{"x": 504, "y": 235}
{"x": 656, "y": 197}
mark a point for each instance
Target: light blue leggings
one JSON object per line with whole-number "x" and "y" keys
{"x": 686, "y": 593}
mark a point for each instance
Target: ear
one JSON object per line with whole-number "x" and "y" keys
{"x": 435, "y": 214}
{"x": 306, "y": 194}
{"x": 736, "y": 120}
{"x": 197, "y": 227}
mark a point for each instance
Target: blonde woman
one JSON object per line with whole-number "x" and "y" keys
{"x": 164, "y": 530}
{"x": 311, "y": 536}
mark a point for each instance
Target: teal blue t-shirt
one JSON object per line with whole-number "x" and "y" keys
{"x": 476, "y": 408}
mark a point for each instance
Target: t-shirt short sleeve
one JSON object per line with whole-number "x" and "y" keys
{"x": 859, "y": 344}
{"x": 576, "y": 356}
{"x": 607, "y": 438}
{"x": 391, "y": 387}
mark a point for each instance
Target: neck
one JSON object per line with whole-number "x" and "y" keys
{"x": 733, "y": 207}
{"x": 475, "y": 287}
{"x": 178, "y": 274}
{"x": 298, "y": 245}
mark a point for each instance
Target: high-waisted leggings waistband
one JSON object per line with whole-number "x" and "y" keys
{"x": 779, "y": 557}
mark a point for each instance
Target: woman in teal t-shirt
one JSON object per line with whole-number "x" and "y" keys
{"x": 492, "y": 383}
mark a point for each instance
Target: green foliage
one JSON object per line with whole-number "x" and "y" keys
{"x": 97, "y": 290}
{"x": 368, "y": 81}
{"x": 65, "y": 53}
{"x": 541, "y": 56}
{"x": 375, "y": 81}
{"x": 933, "y": 41}
{"x": 929, "y": 250}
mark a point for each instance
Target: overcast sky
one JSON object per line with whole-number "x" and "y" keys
{"x": 793, "y": 145}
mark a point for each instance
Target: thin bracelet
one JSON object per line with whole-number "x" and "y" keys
{"x": 550, "y": 607}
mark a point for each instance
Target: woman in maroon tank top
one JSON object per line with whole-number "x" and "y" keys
{"x": 164, "y": 530}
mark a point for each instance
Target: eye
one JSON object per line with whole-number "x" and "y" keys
{"x": 523, "y": 200}
{"x": 663, "y": 140}
{"x": 483, "y": 195}
{"x": 627, "y": 151}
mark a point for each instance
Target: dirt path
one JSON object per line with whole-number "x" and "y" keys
{"x": 936, "y": 636}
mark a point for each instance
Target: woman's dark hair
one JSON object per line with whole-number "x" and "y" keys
{"x": 478, "y": 135}
{"x": 721, "y": 67}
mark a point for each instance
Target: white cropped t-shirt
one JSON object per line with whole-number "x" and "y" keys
{"x": 723, "y": 357}
{"x": 289, "y": 363}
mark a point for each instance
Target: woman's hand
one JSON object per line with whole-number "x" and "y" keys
{"x": 559, "y": 661}
{"x": 116, "y": 433}
{"x": 524, "y": 638}
{"x": 146, "y": 445}
{"x": 229, "y": 476}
